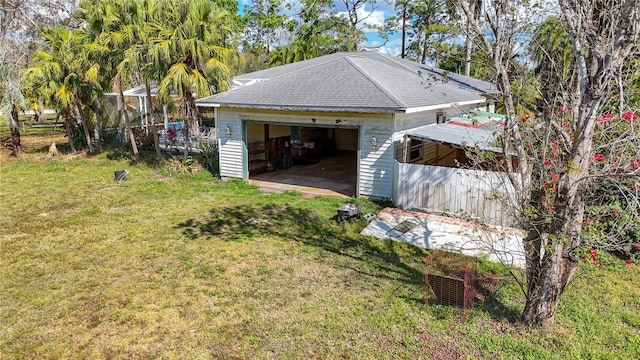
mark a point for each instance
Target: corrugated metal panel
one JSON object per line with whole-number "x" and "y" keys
{"x": 499, "y": 244}
{"x": 459, "y": 135}
{"x": 376, "y": 164}
{"x": 231, "y": 148}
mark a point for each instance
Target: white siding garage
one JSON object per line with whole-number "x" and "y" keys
{"x": 363, "y": 103}
{"x": 232, "y": 148}
{"x": 375, "y": 163}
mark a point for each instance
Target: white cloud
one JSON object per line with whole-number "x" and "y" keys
{"x": 369, "y": 17}
{"x": 392, "y": 47}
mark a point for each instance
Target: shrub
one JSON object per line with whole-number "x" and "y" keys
{"x": 208, "y": 158}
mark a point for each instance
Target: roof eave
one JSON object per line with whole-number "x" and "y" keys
{"x": 443, "y": 106}
{"x": 388, "y": 110}
{"x": 373, "y": 110}
{"x": 204, "y": 104}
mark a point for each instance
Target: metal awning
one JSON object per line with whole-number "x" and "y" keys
{"x": 461, "y": 134}
{"x": 485, "y": 116}
{"x": 141, "y": 91}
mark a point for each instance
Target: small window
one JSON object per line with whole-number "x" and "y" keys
{"x": 441, "y": 118}
{"x": 415, "y": 150}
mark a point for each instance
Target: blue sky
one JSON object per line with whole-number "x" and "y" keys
{"x": 374, "y": 17}
{"x": 536, "y": 11}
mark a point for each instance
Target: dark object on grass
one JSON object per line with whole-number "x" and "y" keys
{"x": 452, "y": 291}
{"x": 120, "y": 175}
{"x": 349, "y": 212}
{"x": 456, "y": 287}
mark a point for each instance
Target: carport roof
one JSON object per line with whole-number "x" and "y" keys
{"x": 141, "y": 91}
{"x": 462, "y": 132}
{"x": 352, "y": 82}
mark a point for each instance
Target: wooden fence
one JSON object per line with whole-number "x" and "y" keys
{"x": 482, "y": 195}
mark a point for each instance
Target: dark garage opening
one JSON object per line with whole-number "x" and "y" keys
{"x": 302, "y": 158}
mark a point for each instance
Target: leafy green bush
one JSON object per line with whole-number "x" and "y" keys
{"x": 208, "y": 158}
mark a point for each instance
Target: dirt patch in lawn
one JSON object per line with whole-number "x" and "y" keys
{"x": 31, "y": 143}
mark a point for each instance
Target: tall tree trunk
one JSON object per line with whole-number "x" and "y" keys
{"x": 154, "y": 131}
{"x": 600, "y": 47}
{"x": 67, "y": 126}
{"x": 85, "y": 126}
{"x": 97, "y": 128}
{"x": 620, "y": 83}
{"x": 555, "y": 258}
{"x": 127, "y": 123}
{"x": 559, "y": 263}
{"x": 191, "y": 116}
{"x": 404, "y": 29}
{"x": 468, "y": 46}
{"x": 16, "y": 144}
{"x": 603, "y": 36}
{"x": 40, "y": 113}
{"x": 187, "y": 140}
{"x": 522, "y": 183}
{"x": 425, "y": 47}
{"x": 557, "y": 268}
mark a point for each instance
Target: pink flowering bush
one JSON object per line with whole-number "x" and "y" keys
{"x": 611, "y": 221}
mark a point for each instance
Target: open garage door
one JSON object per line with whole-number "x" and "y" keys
{"x": 321, "y": 160}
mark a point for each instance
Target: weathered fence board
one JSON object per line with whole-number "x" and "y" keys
{"x": 483, "y": 195}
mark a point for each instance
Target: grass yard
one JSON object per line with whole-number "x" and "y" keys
{"x": 186, "y": 266}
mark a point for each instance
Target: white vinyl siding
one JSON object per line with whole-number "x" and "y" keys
{"x": 376, "y": 164}
{"x": 404, "y": 122}
{"x": 232, "y": 160}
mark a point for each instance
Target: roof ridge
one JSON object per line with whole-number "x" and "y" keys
{"x": 445, "y": 74}
{"x": 310, "y": 66}
{"x": 395, "y": 60}
{"x": 375, "y": 83}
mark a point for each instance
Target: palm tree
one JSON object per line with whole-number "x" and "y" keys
{"x": 146, "y": 13}
{"x": 134, "y": 61}
{"x": 551, "y": 50}
{"x": 61, "y": 74}
{"x": 189, "y": 50}
{"x": 111, "y": 22}
{"x": 302, "y": 48}
{"x": 122, "y": 47}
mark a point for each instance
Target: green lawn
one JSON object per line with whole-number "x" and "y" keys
{"x": 187, "y": 266}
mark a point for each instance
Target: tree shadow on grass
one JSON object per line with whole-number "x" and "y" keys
{"x": 372, "y": 258}
{"x": 239, "y": 223}
{"x": 124, "y": 152}
{"x": 497, "y": 309}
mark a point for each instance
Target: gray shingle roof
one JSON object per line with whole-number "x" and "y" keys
{"x": 350, "y": 82}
